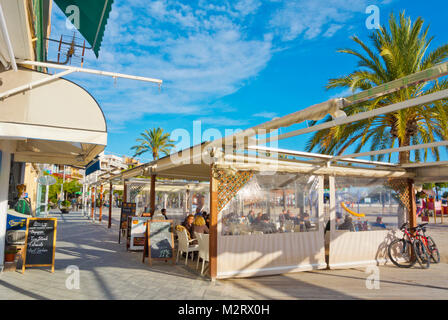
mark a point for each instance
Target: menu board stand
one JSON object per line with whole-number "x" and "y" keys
{"x": 40, "y": 243}
{"x": 159, "y": 241}
{"x": 127, "y": 209}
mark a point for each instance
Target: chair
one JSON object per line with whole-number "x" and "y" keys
{"x": 184, "y": 245}
{"x": 203, "y": 240}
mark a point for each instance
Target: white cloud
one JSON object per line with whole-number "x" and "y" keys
{"x": 265, "y": 114}
{"x": 332, "y": 30}
{"x": 203, "y": 50}
{"x": 308, "y": 18}
{"x": 223, "y": 121}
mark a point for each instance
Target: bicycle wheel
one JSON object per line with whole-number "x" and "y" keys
{"x": 433, "y": 251}
{"x": 400, "y": 253}
{"x": 421, "y": 254}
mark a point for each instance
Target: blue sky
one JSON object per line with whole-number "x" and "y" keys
{"x": 229, "y": 64}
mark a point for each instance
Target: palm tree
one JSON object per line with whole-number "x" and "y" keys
{"x": 156, "y": 141}
{"x": 400, "y": 51}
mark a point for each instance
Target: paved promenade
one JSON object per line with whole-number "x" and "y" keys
{"x": 107, "y": 271}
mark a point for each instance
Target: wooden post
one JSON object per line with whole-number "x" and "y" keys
{"x": 93, "y": 202}
{"x": 101, "y": 203}
{"x": 110, "y": 205}
{"x": 152, "y": 194}
{"x": 435, "y": 211}
{"x": 125, "y": 192}
{"x": 213, "y": 244}
{"x": 412, "y": 204}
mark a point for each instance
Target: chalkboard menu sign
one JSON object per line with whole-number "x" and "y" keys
{"x": 159, "y": 241}
{"x": 127, "y": 210}
{"x": 40, "y": 243}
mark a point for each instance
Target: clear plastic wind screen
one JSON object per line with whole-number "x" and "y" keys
{"x": 273, "y": 204}
{"x": 366, "y": 204}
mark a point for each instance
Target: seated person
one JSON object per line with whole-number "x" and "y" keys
{"x": 198, "y": 212}
{"x": 188, "y": 223}
{"x": 347, "y": 224}
{"x": 304, "y": 221}
{"x": 258, "y": 219}
{"x": 199, "y": 226}
{"x": 379, "y": 223}
{"x": 206, "y": 217}
{"x": 158, "y": 215}
{"x": 163, "y": 211}
{"x": 283, "y": 217}
{"x": 251, "y": 216}
{"x": 265, "y": 225}
{"x": 292, "y": 217}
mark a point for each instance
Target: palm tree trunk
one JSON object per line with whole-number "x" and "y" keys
{"x": 404, "y": 156}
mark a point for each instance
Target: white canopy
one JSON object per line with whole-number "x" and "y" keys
{"x": 58, "y": 122}
{"x": 16, "y": 15}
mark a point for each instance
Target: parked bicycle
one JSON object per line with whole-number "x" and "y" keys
{"x": 414, "y": 246}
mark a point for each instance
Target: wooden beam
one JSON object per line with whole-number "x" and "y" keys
{"x": 152, "y": 194}
{"x": 213, "y": 244}
{"x": 101, "y": 203}
{"x": 125, "y": 191}
{"x": 413, "y": 206}
{"x": 93, "y": 202}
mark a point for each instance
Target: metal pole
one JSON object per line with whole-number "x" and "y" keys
{"x": 93, "y": 202}
{"x": 110, "y": 205}
{"x": 5, "y": 33}
{"x": 92, "y": 71}
{"x": 62, "y": 185}
{"x": 46, "y": 200}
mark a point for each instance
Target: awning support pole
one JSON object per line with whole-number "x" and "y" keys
{"x": 33, "y": 84}
{"x": 152, "y": 194}
{"x": 91, "y": 71}
{"x": 213, "y": 239}
{"x": 5, "y": 34}
{"x": 110, "y": 204}
{"x": 93, "y": 202}
{"x": 361, "y": 116}
{"x": 101, "y": 203}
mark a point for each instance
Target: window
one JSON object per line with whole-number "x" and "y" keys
{"x": 273, "y": 204}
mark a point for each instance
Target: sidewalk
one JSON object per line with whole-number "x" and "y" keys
{"x": 108, "y": 271}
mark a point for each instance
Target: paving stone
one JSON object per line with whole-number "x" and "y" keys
{"x": 108, "y": 271}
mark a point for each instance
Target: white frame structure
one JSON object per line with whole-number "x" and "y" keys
{"x": 248, "y": 154}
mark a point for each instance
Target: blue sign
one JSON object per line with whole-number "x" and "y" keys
{"x": 93, "y": 166}
{"x": 15, "y": 223}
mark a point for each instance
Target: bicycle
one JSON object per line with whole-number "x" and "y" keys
{"x": 429, "y": 243}
{"x": 406, "y": 251}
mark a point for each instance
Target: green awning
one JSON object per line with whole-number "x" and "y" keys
{"x": 93, "y": 15}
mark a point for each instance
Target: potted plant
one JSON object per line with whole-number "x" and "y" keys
{"x": 10, "y": 254}
{"x": 65, "y": 206}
